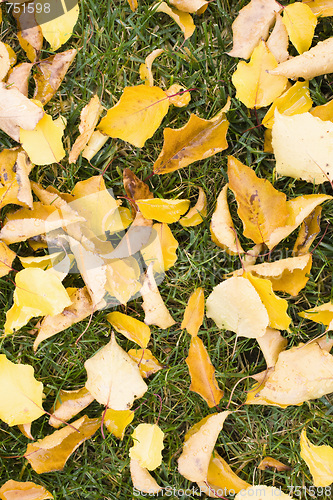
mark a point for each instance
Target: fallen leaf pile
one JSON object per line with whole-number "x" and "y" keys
{"x": 117, "y": 246}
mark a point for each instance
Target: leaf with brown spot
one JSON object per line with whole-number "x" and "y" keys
{"x": 309, "y": 230}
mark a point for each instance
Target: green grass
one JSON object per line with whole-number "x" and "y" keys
{"x": 113, "y": 42}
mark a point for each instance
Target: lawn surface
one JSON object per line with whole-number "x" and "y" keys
{"x": 113, "y": 42}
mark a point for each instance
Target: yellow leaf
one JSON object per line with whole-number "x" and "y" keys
{"x": 133, "y": 4}
{"x": 254, "y": 85}
{"x": 261, "y": 207}
{"x": 266, "y": 492}
{"x": 95, "y": 143}
{"x": 51, "y": 453}
{"x": 117, "y": 421}
{"x": 235, "y": 305}
{"x": 5, "y": 60}
{"x": 137, "y": 115}
{"x": 320, "y": 7}
{"x": 155, "y": 310}
{"x": 123, "y": 278}
{"x": 324, "y": 112}
{"x": 6, "y": 259}
{"x": 23, "y": 491}
{"x": 183, "y": 19}
{"x": 131, "y": 328}
{"x": 44, "y": 144}
{"x": 146, "y": 362}
{"x": 148, "y": 446}
{"x": 294, "y": 101}
{"x": 68, "y": 404}
{"x": 272, "y": 463}
{"x": 14, "y": 176}
{"x": 161, "y": 248}
{"x": 194, "y": 461}
{"x": 319, "y": 314}
{"x": 145, "y": 69}
{"x": 278, "y": 40}
{"x": 202, "y": 373}
{"x": 309, "y": 230}
{"x": 194, "y": 312}
{"x": 222, "y": 228}
{"x": 178, "y": 95}
{"x": 271, "y": 344}
{"x": 316, "y": 61}
{"x": 190, "y": 6}
{"x": 197, "y": 140}
{"x": 220, "y": 476}
{"x": 59, "y": 29}
{"x": 142, "y": 480}
{"x": 195, "y": 215}
{"x": 167, "y": 211}
{"x": 275, "y": 306}
{"x": 302, "y": 147}
{"x": 300, "y": 22}
{"x": 319, "y": 459}
{"x": 20, "y": 393}
{"x": 252, "y": 25}
{"x": 113, "y": 377}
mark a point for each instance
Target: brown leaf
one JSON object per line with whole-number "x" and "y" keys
{"x": 135, "y": 188}
{"x": 15, "y": 490}
{"x": 309, "y": 230}
{"x": 272, "y": 463}
{"x": 202, "y": 373}
{"x": 51, "y": 453}
{"x": 50, "y": 74}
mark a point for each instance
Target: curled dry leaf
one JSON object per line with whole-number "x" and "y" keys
{"x": 17, "y": 111}
{"x": 254, "y": 84}
{"x": 222, "y": 228}
{"x": 131, "y": 328}
{"x": 178, "y": 95}
{"x": 50, "y": 73}
{"x": 194, "y": 461}
{"x": 252, "y": 25}
{"x": 95, "y": 143}
{"x": 116, "y": 421}
{"x": 161, "y": 248}
{"x": 137, "y": 115}
{"x": 286, "y": 275}
{"x": 148, "y": 446}
{"x": 319, "y": 459}
{"x": 202, "y": 373}
{"x": 194, "y": 312}
{"x": 12, "y": 490}
{"x": 135, "y": 188}
{"x": 183, "y": 19}
{"x": 272, "y": 463}
{"x": 68, "y": 404}
{"x": 142, "y": 480}
{"x": 146, "y": 361}
{"x": 300, "y": 23}
{"x": 145, "y": 68}
{"x": 19, "y": 77}
{"x": 155, "y": 310}
{"x": 195, "y": 215}
{"x": 261, "y": 207}
{"x": 271, "y": 344}
{"x": 30, "y": 34}
{"x": 309, "y": 230}
{"x": 302, "y": 147}
{"x": 235, "y": 305}
{"x": 51, "y": 453}
{"x": 167, "y": 211}
{"x": 113, "y": 377}
{"x": 316, "y": 61}
{"x": 80, "y": 308}
{"x": 197, "y": 140}
{"x": 267, "y": 492}
{"x": 220, "y": 476}
{"x": 60, "y": 28}
{"x": 89, "y": 118}
{"x": 278, "y": 40}
{"x": 20, "y": 393}
{"x": 320, "y": 7}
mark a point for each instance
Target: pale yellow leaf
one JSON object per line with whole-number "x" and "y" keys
{"x": 12, "y": 490}
{"x": 146, "y": 361}
{"x": 131, "y": 328}
{"x": 148, "y": 446}
{"x": 142, "y": 480}
{"x": 183, "y": 19}
{"x": 319, "y": 459}
{"x": 278, "y": 40}
{"x": 271, "y": 344}
{"x": 300, "y": 23}
{"x": 190, "y": 6}
{"x": 59, "y": 29}
{"x": 155, "y": 310}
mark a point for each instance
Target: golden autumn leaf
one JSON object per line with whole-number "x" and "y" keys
{"x": 252, "y": 25}
{"x": 320, "y": 7}
{"x": 178, "y": 95}
{"x": 148, "y": 446}
{"x": 51, "y": 453}
{"x": 294, "y": 101}
{"x": 95, "y": 143}
{"x": 194, "y": 461}
{"x": 316, "y": 61}
{"x": 319, "y": 459}
{"x": 194, "y": 312}
{"x": 68, "y": 404}
{"x": 261, "y": 207}
{"x": 113, "y": 378}
{"x": 309, "y": 230}
{"x": 123, "y": 279}
{"x": 278, "y": 40}
{"x": 142, "y": 480}
{"x": 20, "y": 393}
{"x": 268, "y": 492}
{"x": 131, "y": 328}
{"x": 162, "y": 210}
{"x": 202, "y": 373}
{"x": 5, "y": 61}
{"x": 272, "y": 463}
{"x": 14, "y": 177}
{"x": 300, "y": 22}
{"x": 271, "y": 344}
{"x": 197, "y": 140}
{"x": 195, "y": 215}
{"x": 254, "y": 84}
{"x": 58, "y": 30}
{"x": 161, "y": 248}
{"x": 183, "y": 19}
{"x": 235, "y": 305}
{"x": 137, "y": 115}
{"x": 324, "y": 112}
{"x": 145, "y": 68}
{"x": 155, "y": 310}
{"x": 12, "y": 490}
{"x": 319, "y": 314}
{"x": 30, "y": 35}
{"x": 190, "y": 6}
{"x": 116, "y": 421}
{"x": 302, "y": 147}
{"x": 6, "y": 259}
{"x": 146, "y": 361}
